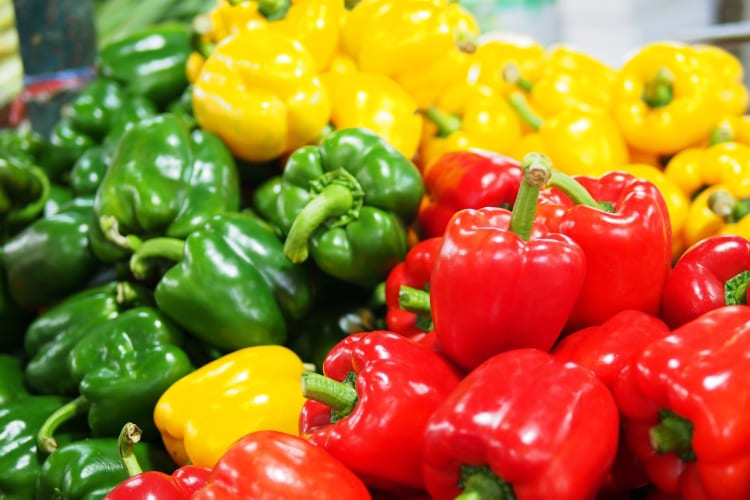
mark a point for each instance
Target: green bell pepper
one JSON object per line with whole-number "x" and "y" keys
{"x": 62, "y": 149}
{"x": 50, "y": 258}
{"x": 93, "y": 109}
{"x": 135, "y": 109}
{"x": 345, "y": 201}
{"x": 182, "y": 107}
{"x": 163, "y": 179}
{"x": 59, "y": 196}
{"x": 24, "y": 191}
{"x": 51, "y": 336}
{"x": 13, "y": 318}
{"x": 232, "y": 286}
{"x": 88, "y": 171}
{"x": 150, "y": 62}
{"x": 12, "y": 385}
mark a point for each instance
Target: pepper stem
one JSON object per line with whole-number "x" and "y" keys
{"x": 722, "y": 133}
{"x": 659, "y": 91}
{"x": 110, "y": 226}
{"x": 736, "y": 287}
{"x": 521, "y": 106}
{"x": 466, "y": 41}
{"x": 414, "y": 300}
{"x": 512, "y": 75}
{"x": 162, "y": 247}
{"x": 673, "y": 434}
{"x": 45, "y": 440}
{"x": 341, "y": 397}
{"x": 575, "y": 191}
{"x": 480, "y": 483}
{"x": 272, "y": 10}
{"x": 537, "y": 170}
{"x": 129, "y": 436}
{"x": 726, "y": 206}
{"x": 36, "y": 182}
{"x": 446, "y": 123}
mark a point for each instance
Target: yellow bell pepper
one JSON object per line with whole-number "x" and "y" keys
{"x": 374, "y": 101}
{"x": 203, "y": 413}
{"x": 711, "y": 212}
{"x": 735, "y": 129}
{"x": 733, "y": 92}
{"x": 468, "y": 116}
{"x": 260, "y": 92}
{"x": 666, "y": 98}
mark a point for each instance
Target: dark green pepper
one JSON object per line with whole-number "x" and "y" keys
{"x": 134, "y": 110}
{"x": 94, "y": 108}
{"x": 13, "y": 318}
{"x": 232, "y": 287}
{"x": 63, "y": 148}
{"x": 12, "y": 385}
{"x": 163, "y": 179}
{"x": 24, "y": 191}
{"x": 59, "y": 196}
{"x": 345, "y": 201}
{"x": 22, "y": 143}
{"x": 150, "y": 62}
{"x": 182, "y": 107}
{"x": 88, "y": 171}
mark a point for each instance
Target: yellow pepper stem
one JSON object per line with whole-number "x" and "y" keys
{"x": 726, "y": 206}
{"x": 521, "y": 106}
{"x": 446, "y": 123}
{"x": 341, "y": 397}
{"x": 129, "y": 436}
{"x": 722, "y": 133}
{"x": 512, "y": 75}
{"x": 537, "y": 170}
{"x": 659, "y": 90}
{"x": 45, "y": 439}
{"x": 466, "y": 41}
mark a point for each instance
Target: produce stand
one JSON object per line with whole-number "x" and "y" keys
{"x": 260, "y": 249}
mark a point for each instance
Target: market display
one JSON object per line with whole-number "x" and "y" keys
{"x": 362, "y": 250}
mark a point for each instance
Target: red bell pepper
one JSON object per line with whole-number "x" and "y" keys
{"x": 522, "y": 425}
{"x": 465, "y": 179}
{"x": 151, "y": 485}
{"x": 712, "y": 273}
{"x": 371, "y": 407}
{"x": 501, "y": 280}
{"x": 414, "y": 271}
{"x": 685, "y": 401}
{"x": 622, "y": 224}
{"x": 267, "y": 465}
{"x": 606, "y": 349}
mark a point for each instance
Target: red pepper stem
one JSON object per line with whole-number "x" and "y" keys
{"x": 736, "y": 287}
{"x": 537, "y": 170}
{"x": 414, "y": 300}
{"x": 162, "y": 248}
{"x": 45, "y": 440}
{"x": 129, "y": 436}
{"x": 658, "y": 91}
{"x": 446, "y": 123}
{"x": 673, "y": 434}
{"x": 520, "y": 105}
{"x": 512, "y": 75}
{"x": 340, "y": 397}
{"x": 480, "y": 483}
{"x": 574, "y": 190}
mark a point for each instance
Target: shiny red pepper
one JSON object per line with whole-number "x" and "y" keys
{"x": 465, "y": 179}
{"x": 268, "y": 465}
{"x": 522, "y": 425}
{"x": 622, "y": 224}
{"x": 371, "y": 407}
{"x": 685, "y": 401}
{"x": 712, "y": 273}
{"x": 501, "y": 280}
{"x": 606, "y": 349}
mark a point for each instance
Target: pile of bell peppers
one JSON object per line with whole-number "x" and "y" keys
{"x": 354, "y": 250}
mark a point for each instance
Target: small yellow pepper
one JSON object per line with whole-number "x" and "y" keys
{"x": 733, "y": 93}
{"x": 260, "y": 92}
{"x": 374, "y": 101}
{"x": 203, "y": 413}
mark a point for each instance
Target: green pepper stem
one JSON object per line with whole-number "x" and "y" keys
{"x": 673, "y": 434}
{"x": 658, "y": 91}
{"x": 414, "y": 300}
{"x": 722, "y": 133}
{"x": 446, "y": 123}
{"x": 129, "y": 436}
{"x": 512, "y": 75}
{"x": 110, "y": 226}
{"x": 39, "y": 184}
{"x": 155, "y": 248}
{"x": 726, "y": 206}
{"x": 537, "y": 170}
{"x": 521, "y": 106}
{"x": 480, "y": 483}
{"x": 339, "y": 396}
{"x": 466, "y": 41}
{"x": 736, "y": 287}
{"x": 575, "y": 191}
{"x": 272, "y": 10}
{"x": 45, "y": 440}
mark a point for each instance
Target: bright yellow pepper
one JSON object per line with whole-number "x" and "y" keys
{"x": 203, "y": 413}
{"x": 666, "y": 98}
{"x": 260, "y": 92}
{"x": 374, "y": 101}
{"x": 733, "y": 93}
{"x": 735, "y": 129}
{"x": 468, "y": 116}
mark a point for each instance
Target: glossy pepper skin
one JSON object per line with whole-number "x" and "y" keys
{"x": 734, "y": 94}
{"x": 502, "y": 280}
{"x": 14, "y": 318}
{"x": 606, "y": 349}
{"x": 271, "y": 464}
{"x": 228, "y": 310}
{"x": 522, "y": 425}
{"x": 628, "y": 250}
{"x": 11, "y": 380}
{"x": 711, "y": 274}
{"x": 684, "y": 400}
{"x": 251, "y": 389}
{"x": 465, "y": 179}
{"x": 163, "y": 179}
{"x": 24, "y": 190}
{"x": 394, "y": 386}
{"x": 346, "y": 202}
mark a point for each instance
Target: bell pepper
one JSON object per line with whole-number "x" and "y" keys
{"x": 733, "y": 92}
{"x": 522, "y": 425}
{"x": 370, "y": 408}
{"x": 374, "y": 101}
{"x": 250, "y": 389}
{"x": 14, "y": 318}
{"x": 88, "y": 171}
{"x": 684, "y": 398}
{"x": 92, "y": 109}
{"x": 492, "y": 270}
{"x": 465, "y": 179}
{"x": 24, "y": 190}
{"x": 12, "y": 385}
{"x": 346, "y": 202}
{"x": 578, "y": 141}
{"x": 162, "y": 180}
{"x": 713, "y": 273}
{"x": 140, "y": 484}
{"x": 149, "y": 62}
{"x": 50, "y": 258}
{"x": 52, "y": 334}
{"x": 465, "y": 117}
{"x": 622, "y": 225}
{"x": 735, "y": 128}
{"x": 272, "y": 464}
{"x": 662, "y": 87}
{"x": 62, "y": 149}
{"x": 247, "y": 307}
{"x": 606, "y": 349}
{"x": 260, "y": 92}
